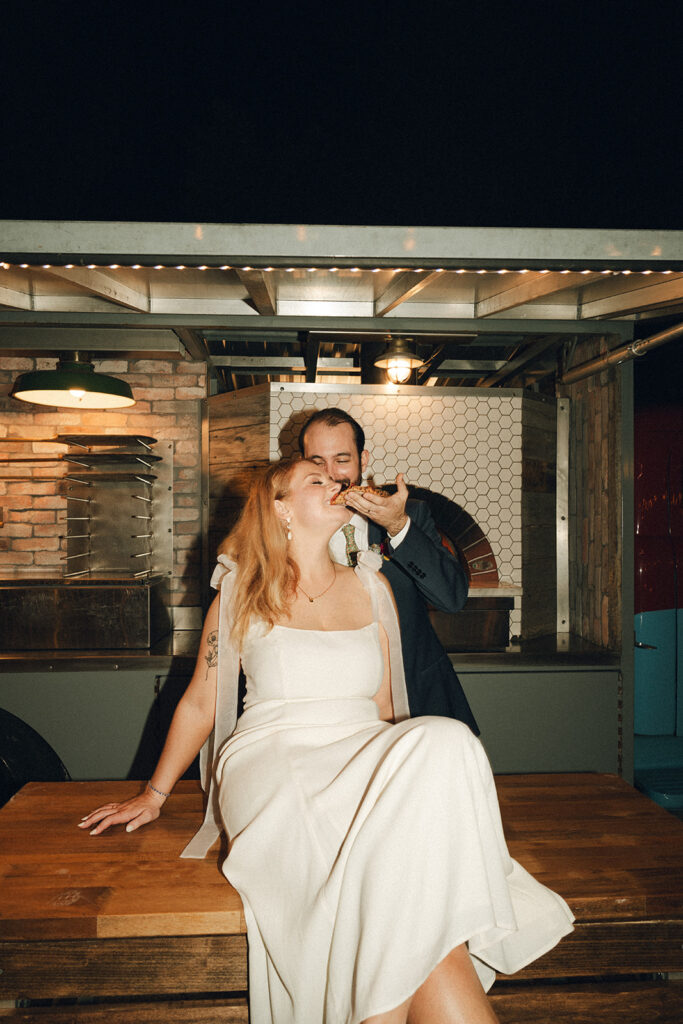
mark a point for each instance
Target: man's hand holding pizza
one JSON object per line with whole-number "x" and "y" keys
{"x": 387, "y": 510}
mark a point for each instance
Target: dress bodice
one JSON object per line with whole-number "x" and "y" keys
{"x": 283, "y": 664}
{"x": 293, "y": 671}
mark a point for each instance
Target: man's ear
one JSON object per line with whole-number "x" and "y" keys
{"x": 364, "y": 459}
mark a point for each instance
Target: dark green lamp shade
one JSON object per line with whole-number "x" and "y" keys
{"x": 74, "y": 386}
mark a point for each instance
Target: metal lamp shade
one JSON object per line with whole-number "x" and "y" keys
{"x": 399, "y": 360}
{"x": 73, "y": 385}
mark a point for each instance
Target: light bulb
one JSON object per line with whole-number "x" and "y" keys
{"x": 398, "y": 370}
{"x": 77, "y": 393}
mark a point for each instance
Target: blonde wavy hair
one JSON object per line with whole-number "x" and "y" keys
{"x": 267, "y": 576}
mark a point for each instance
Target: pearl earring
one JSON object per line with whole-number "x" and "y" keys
{"x": 288, "y": 520}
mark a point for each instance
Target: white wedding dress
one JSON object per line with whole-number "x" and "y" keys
{"x": 363, "y": 851}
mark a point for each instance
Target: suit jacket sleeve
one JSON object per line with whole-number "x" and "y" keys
{"x": 434, "y": 570}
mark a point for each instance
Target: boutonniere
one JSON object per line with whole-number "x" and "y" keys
{"x": 381, "y": 549}
{"x": 371, "y": 559}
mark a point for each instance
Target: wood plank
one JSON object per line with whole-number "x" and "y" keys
{"x": 612, "y": 947}
{"x": 123, "y": 967}
{"x": 610, "y": 1003}
{"x": 236, "y": 483}
{"x": 261, "y": 290}
{"x": 59, "y": 882}
{"x": 626, "y": 1003}
{"x": 182, "y": 1011}
{"x": 105, "y": 285}
{"x": 405, "y": 286}
{"x": 239, "y": 429}
{"x": 605, "y": 847}
{"x": 518, "y": 290}
{"x": 231, "y": 444}
{"x": 78, "y": 912}
{"x": 14, "y": 298}
{"x": 634, "y": 295}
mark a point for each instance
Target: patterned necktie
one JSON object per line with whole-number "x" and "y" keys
{"x": 351, "y": 546}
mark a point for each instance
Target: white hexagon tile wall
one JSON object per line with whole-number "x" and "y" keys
{"x": 465, "y": 446}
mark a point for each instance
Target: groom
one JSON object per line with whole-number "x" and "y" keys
{"x": 419, "y": 567}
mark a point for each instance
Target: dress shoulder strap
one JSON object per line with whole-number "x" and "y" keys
{"x": 384, "y": 612}
{"x": 367, "y": 569}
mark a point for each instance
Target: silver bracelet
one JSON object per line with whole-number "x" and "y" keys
{"x": 155, "y": 790}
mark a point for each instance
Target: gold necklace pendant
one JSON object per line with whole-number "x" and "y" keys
{"x": 322, "y": 593}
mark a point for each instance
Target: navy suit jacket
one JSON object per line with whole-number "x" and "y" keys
{"x": 421, "y": 571}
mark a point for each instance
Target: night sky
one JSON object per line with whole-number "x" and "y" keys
{"x": 533, "y": 115}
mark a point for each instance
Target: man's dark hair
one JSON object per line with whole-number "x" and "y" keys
{"x": 333, "y": 418}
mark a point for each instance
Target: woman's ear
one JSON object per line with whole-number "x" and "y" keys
{"x": 284, "y": 515}
{"x": 281, "y": 510}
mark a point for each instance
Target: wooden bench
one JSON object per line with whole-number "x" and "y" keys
{"x": 120, "y": 917}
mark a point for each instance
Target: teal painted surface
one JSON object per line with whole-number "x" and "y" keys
{"x": 679, "y": 672}
{"x": 663, "y": 785}
{"x": 655, "y": 673}
{"x": 658, "y": 751}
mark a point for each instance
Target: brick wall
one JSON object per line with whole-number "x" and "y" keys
{"x": 168, "y": 395}
{"x": 595, "y": 494}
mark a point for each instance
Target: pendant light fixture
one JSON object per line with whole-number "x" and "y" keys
{"x": 398, "y": 359}
{"x": 73, "y": 385}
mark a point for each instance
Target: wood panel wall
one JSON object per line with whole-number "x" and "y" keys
{"x": 595, "y": 498}
{"x": 238, "y": 439}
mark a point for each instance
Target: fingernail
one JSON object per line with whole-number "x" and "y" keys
{"x": 129, "y": 828}
{"x": 85, "y": 817}
{"x": 94, "y": 832}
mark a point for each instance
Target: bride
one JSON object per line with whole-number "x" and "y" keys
{"x": 366, "y": 846}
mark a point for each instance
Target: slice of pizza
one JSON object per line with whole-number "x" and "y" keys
{"x": 340, "y": 498}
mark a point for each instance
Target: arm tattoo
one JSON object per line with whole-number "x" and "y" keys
{"x": 211, "y": 655}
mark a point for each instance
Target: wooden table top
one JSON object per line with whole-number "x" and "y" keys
{"x": 611, "y": 852}
{"x": 57, "y": 881}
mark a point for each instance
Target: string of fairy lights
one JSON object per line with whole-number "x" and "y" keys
{"x": 327, "y": 270}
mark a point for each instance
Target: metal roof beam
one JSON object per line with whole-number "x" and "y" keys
{"x": 431, "y": 364}
{"x": 311, "y": 354}
{"x": 416, "y": 326}
{"x": 45, "y": 241}
{"x": 87, "y": 339}
{"x": 466, "y": 366}
{"x": 282, "y": 364}
{"x": 530, "y": 353}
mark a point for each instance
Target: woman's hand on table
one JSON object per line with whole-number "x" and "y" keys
{"x": 133, "y": 813}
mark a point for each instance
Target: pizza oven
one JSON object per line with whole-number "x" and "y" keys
{"x": 484, "y": 623}
{"x": 484, "y": 460}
